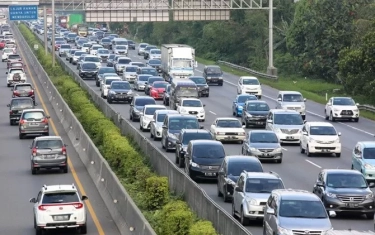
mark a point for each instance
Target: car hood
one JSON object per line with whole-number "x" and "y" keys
{"x": 103, "y": 54}
{"x": 208, "y": 161}
{"x": 369, "y": 161}
{"x": 240, "y": 105}
{"x": 130, "y": 73}
{"x": 258, "y": 196}
{"x": 345, "y": 107}
{"x": 258, "y": 113}
{"x": 305, "y": 223}
{"x": 293, "y": 104}
{"x": 288, "y": 127}
{"x": 349, "y": 191}
{"x": 139, "y": 108}
{"x": 141, "y": 82}
{"x": 175, "y": 133}
{"x": 121, "y": 90}
{"x": 22, "y": 108}
{"x": 160, "y": 90}
{"x": 230, "y": 129}
{"x": 265, "y": 145}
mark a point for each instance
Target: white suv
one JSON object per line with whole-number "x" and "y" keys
{"x": 59, "y": 207}
{"x": 292, "y": 100}
{"x": 147, "y": 115}
{"x": 192, "y": 106}
{"x": 249, "y": 85}
{"x": 320, "y": 137}
{"x": 341, "y": 108}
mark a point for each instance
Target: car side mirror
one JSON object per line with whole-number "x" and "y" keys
{"x": 204, "y": 105}
{"x": 357, "y": 104}
{"x": 178, "y": 142}
{"x": 238, "y": 189}
{"x": 269, "y": 121}
{"x": 6, "y": 72}
{"x": 131, "y": 105}
{"x": 304, "y": 133}
{"x": 164, "y": 127}
{"x": 279, "y": 99}
{"x": 11, "y": 89}
{"x": 48, "y": 117}
{"x": 83, "y": 198}
{"x": 243, "y": 126}
{"x": 328, "y": 104}
{"x": 270, "y": 211}
{"x": 320, "y": 184}
{"x": 32, "y": 200}
{"x": 339, "y": 134}
{"x": 304, "y": 100}
{"x": 146, "y": 83}
{"x": 8, "y": 105}
{"x": 201, "y": 126}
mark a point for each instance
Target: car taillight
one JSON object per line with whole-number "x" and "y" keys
{"x": 45, "y": 120}
{"x": 22, "y": 121}
{"x": 78, "y": 205}
{"x": 64, "y": 150}
{"x": 10, "y": 112}
{"x": 16, "y": 93}
{"x": 31, "y": 92}
{"x": 42, "y": 207}
{"x": 34, "y": 152}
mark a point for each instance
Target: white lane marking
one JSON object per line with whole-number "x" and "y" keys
{"x": 313, "y": 164}
{"x": 212, "y": 112}
{"x": 284, "y": 149}
{"x": 199, "y": 71}
{"x": 315, "y": 114}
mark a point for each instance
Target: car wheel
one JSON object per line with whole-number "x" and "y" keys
{"x": 356, "y": 119}
{"x": 33, "y": 170}
{"x": 65, "y": 169}
{"x": 140, "y": 126}
{"x": 220, "y": 84}
{"x": 225, "y": 196}
{"x": 83, "y": 229}
{"x": 307, "y": 151}
{"x": 219, "y": 194}
{"x": 20, "y": 136}
{"x": 11, "y": 122}
{"x": 244, "y": 221}
{"x": 338, "y": 154}
{"x": 207, "y": 95}
{"x": 176, "y": 158}
{"x": 151, "y": 135}
{"x": 331, "y": 118}
{"x": 279, "y": 160}
{"x": 370, "y": 215}
{"x": 109, "y": 101}
{"x": 39, "y": 231}
{"x": 300, "y": 148}
{"x": 233, "y": 210}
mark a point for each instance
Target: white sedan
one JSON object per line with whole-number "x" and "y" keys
{"x": 228, "y": 129}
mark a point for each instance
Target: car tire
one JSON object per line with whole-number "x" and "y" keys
{"x": 207, "y": 95}
{"x": 279, "y": 160}
{"x": 301, "y": 149}
{"x": 97, "y": 83}
{"x": 39, "y": 231}
{"x": 325, "y": 115}
{"x": 20, "y": 136}
{"x": 370, "y": 215}
{"x": 33, "y": 171}
{"x": 83, "y": 229}
{"x": 151, "y": 135}
{"x": 225, "y": 196}
{"x": 356, "y": 119}
{"x": 243, "y": 220}
{"x": 109, "y": 101}
{"x": 65, "y": 169}
{"x": 221, "y": 84}
{"x": 338, "y": 154}
{"x": 307, "y": 151}
{"x": 219, "y": 194}
{"x": 11, "y": 122}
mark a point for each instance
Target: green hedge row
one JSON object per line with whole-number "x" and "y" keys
{"x": 167, "y": 214}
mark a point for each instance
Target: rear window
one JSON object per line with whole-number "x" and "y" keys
{"x": 33, "y": 115}
{"x": 208, "y": 151}
{"x": 103, "y": 51}
{"x": 49, "y": 144}
{"x": 155, "y": 52}
{"x": 86, "y": 45}
{"x": 52, "y": 198}
{"x": 131, "y": 69}
{"x": 124, "y": 61}
{"x": 65, "y": 46}
{"x": 24, "y": 103}
{"x": 25, "y": 87}
{"x": 14, "y": 57}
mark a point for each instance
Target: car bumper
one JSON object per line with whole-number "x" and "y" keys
{"x": 324, "y": 148}
{"x": 337, "y": 115}
{"x": 255, "y": 122}
{"x": 88, "y": 75}
{"x": 200, "y": 116}
{"x": 55, "y": 163}
{"x": 369, "y": 174}
{"x": 286, "y": 138}
{"x": 146, "y": 125}
{"x": 34, "y": 131}
{"x": 15, "y": 117}
{"x": 120, "y": 98}
{"x": 252, "y": 92}
{"x": 334, "y": 204}
{"x": 12, "y": 82}
{"x": 214, "y": 80}
{"x": 267, "y": 156}
{"x": 141, "y": 87}
{"x": 199, "y": 173}
{"x": 230, "y": 137}
{"x": 254, "y": 212}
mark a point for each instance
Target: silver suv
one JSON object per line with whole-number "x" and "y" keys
{"x": 251, "y": 194}
{"x": 293, "y": 211}
{"x": 292, "y": 100}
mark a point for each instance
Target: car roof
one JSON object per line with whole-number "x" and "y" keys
{"x": 261, "y": 131}
{"x": 290, "y": 92}
{"x": 367, "y": 144}
{"x": 213, "y": 66}
{"x": 319, "y": 124}
{"x": 296, "y": 194}
{"x": 184, "y": 116}
{"x": 91, "y": 56}
{"x": 205, "y": 142}
{"x": 283, "y": 111}
{"x": 341, "y": 171}
{"x": 51, "y": 137}
{"x": 249, "y": 77}
{"x": 33, "y": 110}
{"x": 342, "y": 97}
{"x": 59, "y": 188}
{"x": 242, "y": 158}
{"x": 227, "y": 118}
{"x": 113, "y": 77}
{"x": 154, "y": 106}
{"x": 195, "y": 131}
{"x": 262, "y": 175}
{"x": 88, "y": 62}
{"x": 21, "y": 84}
{"x": 21, "y": 98}
{"x": 195, "y": 99}
{"x": 144, "y": 97}
{"x": 166, "y": 111}
{"x": 256, "y": 101}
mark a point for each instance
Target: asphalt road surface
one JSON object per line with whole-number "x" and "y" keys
{"x": 18, "y": 185}
{"x": 297, "y": 170}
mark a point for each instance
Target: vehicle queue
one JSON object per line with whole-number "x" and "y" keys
{"x": 241, "y": 180}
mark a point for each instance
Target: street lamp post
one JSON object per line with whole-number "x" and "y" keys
{"x": 53, "y": 33}
{"x": 271, "y": 70}
{"x": 45, "y": 29}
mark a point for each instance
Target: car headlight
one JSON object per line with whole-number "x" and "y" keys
{"x": 368, "y": 166}
{"x": 112, "y": 92}
{"x": 130, "y": 92}
{"x": 278, "y": 150}
{"x": 241, "y": 133}
{"x": 336, "y": 110}
{"x": 311, "y": 140}
{"x": 283, "y": 231}
{"x": 252, "y": 202}
{"x": 277, "y": 130}
{"x": 202, "y": 111}
{"x": 193, "y": 164}
{"x": 337, "y": 140}
{"x": 368, "y": 196}
{"x": 331, "y": 195}
{"x": 253, "y": 149}
{"x": 355, "y": 110}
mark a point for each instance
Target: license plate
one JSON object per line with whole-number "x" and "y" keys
{"x": 34, "y": 124}
{"x": 231, "y": 137}
{"x": 325, "y": 150}
{"x": 61, "y": 217}
{"x": 259, "y": 123}
{"x": 121, "y": 96}
{"x": 210, "y": 174}
{"x": 290, "y": 137}
{"x": 351, "y": 205}
{"x": 49, "y": 156}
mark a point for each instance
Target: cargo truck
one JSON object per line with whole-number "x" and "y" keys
{"x": 75, "y": 19}
{"x": 177, "y": 61}
{"x": 63, "y": 21}
{"x": 49, "y": 20}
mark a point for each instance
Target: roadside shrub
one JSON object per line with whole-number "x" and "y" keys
{"x": 157, "y": 192}
{"x": 202, "y": 227}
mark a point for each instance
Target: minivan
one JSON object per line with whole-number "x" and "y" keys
{"x": 182, "y": 89}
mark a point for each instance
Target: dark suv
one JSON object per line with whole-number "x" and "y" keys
{"x": 186, "y": 135}
{"x": 213, "y": 74}
{"x": 345, "y": 191}
{"x": 16, "y": 106}
{"x": 88, "y": 70}
{"x": 255, "y": 113}
{"x": 137, "y": 105}
{"x": 23, "y": 90}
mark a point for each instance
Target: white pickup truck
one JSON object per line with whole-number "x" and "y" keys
{"x": 16, "y": 76}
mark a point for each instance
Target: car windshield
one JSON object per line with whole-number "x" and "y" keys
{"x": 131, "y": 69}
{"x": 152, "y": 80}
{"x": 292, "y": 98}
{"x": 229, "y": 124}
{"x": 151, "y": 110}
{"x": 106, "y": 40}
{"x": 30, "y": 116}
{"x": 104, "y": 70}
{"x": 65, "y": 47}
{"x": 124, "y": 61}
{"x": 342, "y": 180}
{"x": 8, "y": 50}
{"x": 263, "y": 185}
{"x": 16, "y": 65}
{"x": 343, "y": 101}
{"x": 143, "y": 45}
{"x": 25, "y": 87}
{"x": 244, "y": 98}
{"x": 111, "y": 56}
{"x": 13, "y": 57}
{"x": 177, "y": 124}
{"x": 198, "y": 80}
{"x": 237, "y": 167}
{"x": 143, "y": 102}
{"x": 72, "y": 51}
{"x": 61, "y": 197}
{"x": 213, "y": 70}
{"x": 302, "y": 209}
{"x": 109, "y": 81}
{"x": 120, "y": 47}
{"x": 208, "y": 151}
{"x": 150, "y": 71}
{"x": 160, "y": 84}
{"x": 138, "y": 64}
{"x": 103, "y": 51}
{"x": 250, "y": 81}
{"x": 95, "y": 48}
{"x": 288, "y": 119}
{"x": 120, "y": 85}
{"x": 79, "y": 53}
{"x": 160, "y": 117}
{"x": 89, "y": 66}
{"x": 368, "y": 153}
{"x": 154, "y": 62}
{"x": 48, "y": 144}
{"x": 22, "y": 103}
{"x": 196, "y": 136}
{"x": 264, "y": 137}
{"x": 72, "y": 35}
{"x": 322, "y": 130}
{"x": 257, "y": 107}
{"x": 192, "y": 103}
{"x": 187, "y": 91}
{"x": 93, "y": 59}
{"x": 155, "y": 52}
{"x": 143, "y": 78}
{"x": 86, "y": 45}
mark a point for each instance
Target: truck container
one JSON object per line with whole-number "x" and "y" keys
{"x": 49, "y": 20}
{"x": 177, "y": 61}
{"x": 63, "y": 21}
{"x": 75, "y": 19}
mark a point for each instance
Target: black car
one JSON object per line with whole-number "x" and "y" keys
{"x": 23, "y": 90}
{"x": 146, "y": 54}
{"x": 213, "y": 74}
{"x": 131, "y": 45}
{"x": 154, "y": 63}
{"x": 203, "y": 88}
{"x": 120, "y": 91}
{"x": 344, "y": 190}
{"x": 101, "y": 71}
{"x": 203, "y": 159}
{"x": 87, "y": 70}
{"x": 167, "y": 95}
{"x": 150, "y": 81}
{"x": 147, "y": 70}
{"x": 230, "y": 171}
{"x": 110, "y": 60}
{"x": 255, "y": 113}
{"x": 137, "y": 105}
{"x": 16, "y": 106}
{"x": 99, "y": 34}
{"x": 183, "y": 140}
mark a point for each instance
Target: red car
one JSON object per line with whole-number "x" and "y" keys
{"x": 2, "y": 44}
{"x": 157, "y": 90}
{"x": 58, "y": 45}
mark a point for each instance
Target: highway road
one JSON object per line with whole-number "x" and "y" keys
{"x": 297, "y": 170}
{"x": 18, "y": 185}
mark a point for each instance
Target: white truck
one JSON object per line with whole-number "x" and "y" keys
{"x": 177, "y": 61}
{"x": 49, "y": 20}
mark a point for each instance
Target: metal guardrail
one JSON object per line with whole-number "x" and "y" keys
{"x": 256, "y": 73}
{"x": 367, "y": 107}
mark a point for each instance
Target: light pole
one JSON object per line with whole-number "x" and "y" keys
{"x": 53, "y": 34}
{"x": 45, "y": 29}
{"x": 271, "y": 70}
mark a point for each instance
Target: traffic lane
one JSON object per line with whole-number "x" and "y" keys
{"x": 100, "y": 210}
